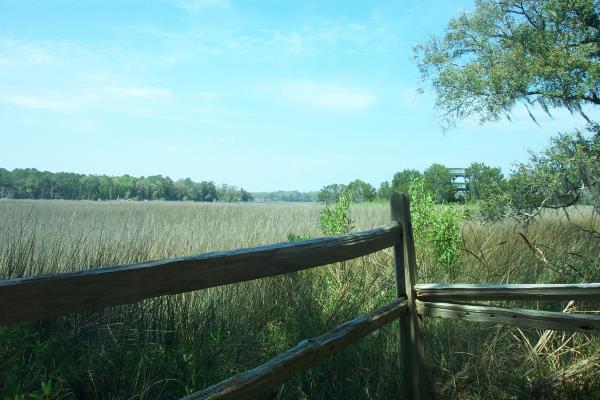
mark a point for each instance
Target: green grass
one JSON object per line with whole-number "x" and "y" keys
{"x": 170, "y": 346}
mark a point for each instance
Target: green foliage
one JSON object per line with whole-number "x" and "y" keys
{"x": 331, "y": 193}
{"x": 385, "y": 191}
{"x": 559, "y": 176}
{"x": 483, "y": 180}
{"x": 37, "y": 376}
{"x": 335, "y": 220}
{"x": 402, "y": 180}
{"x": 361, "y": 191}
{"x": 30, "y": 183}
{"x": 438, "y": 180}
{"x": 294, "y": 237}
{"x": 503, "y": 52}
{"x": 493, "y": 206}
{"x": 285, "y": 195}
{"x": 245, "y": 196}
{"x": 436, "y": 227}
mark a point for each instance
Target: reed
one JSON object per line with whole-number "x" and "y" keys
{"x": 171, "y": 346}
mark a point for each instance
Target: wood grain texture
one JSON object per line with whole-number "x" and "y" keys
{"x": 585, "y": 323}
{"x": 52, "y": 295}
{"x": 307, "y": 353}
{"x": 412, "y": 349}
{"x": 465, "y": 292}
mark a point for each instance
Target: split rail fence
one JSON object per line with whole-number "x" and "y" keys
{"x": 39, "y": 297}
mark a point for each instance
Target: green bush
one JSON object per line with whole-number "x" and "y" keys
{"x": 335, "y": 220}
{"x": 436, "y": 228}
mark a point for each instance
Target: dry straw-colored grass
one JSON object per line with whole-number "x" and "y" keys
{"x": 169, "y": 346}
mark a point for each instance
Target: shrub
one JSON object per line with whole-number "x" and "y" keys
{"x": 436, "y": 227}
{"x": 335, "y": 220}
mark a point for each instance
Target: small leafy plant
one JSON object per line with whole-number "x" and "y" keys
{"x": 436, "y": 227}
{"x": 336, "y": 220}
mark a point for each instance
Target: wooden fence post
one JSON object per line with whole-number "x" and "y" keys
{"x": 411, "y": 342}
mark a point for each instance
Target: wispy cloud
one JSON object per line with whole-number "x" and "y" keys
{"x": 194, "y": 6}
{"x": 24, "y": 53}
{"x": 80, "y": 97}
{"x": 326, "y": 96}
{"x": 270, "y": 42}
{"x": 36, "y": 102}
{"x": 140, "y": 92}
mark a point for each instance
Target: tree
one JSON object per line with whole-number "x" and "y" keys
{"x": 208, "y": 191}
{"x": 483, "y": 180}
{"x": 542, "y": 52}
{"x": 402, "y": 180}
{"x": 105, "y": 187}
{"x": 557, "y": 177}
{"x": 245, "y": 196}
{"x": 438, "y": 180}
{"x": 228, "y": 193}
{"x": 385, "y": 190}
{"x": 33, "y": 184}
{"x": 125, "y": 187}
{"x": 331, "y": 193}
{"x": 361, "y": 191}
{"x": 6, "y": 183}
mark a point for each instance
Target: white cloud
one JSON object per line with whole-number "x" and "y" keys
{"x": 194, "y": 6}
{"x": 24, "y": 52}
{"x": 78, "y": 98}
{"x": 326, "y": 96}
{"x": 141, "y": 92}
{"x": 35, "y": 102}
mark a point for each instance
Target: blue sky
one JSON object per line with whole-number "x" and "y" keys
{"x": 264, "y": 95}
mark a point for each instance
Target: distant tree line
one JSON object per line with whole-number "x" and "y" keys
{"x": 29, "y": 183}
{"x": 438, "y": 179}
{"x": 360, "y": 191}
{"x": 565, "y": 173}
{"x": 285, "y": 195}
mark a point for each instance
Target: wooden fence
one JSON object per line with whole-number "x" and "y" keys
{"x": 28, "y": 299}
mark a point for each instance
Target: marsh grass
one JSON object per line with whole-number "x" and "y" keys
{"x": 173, "y": 345}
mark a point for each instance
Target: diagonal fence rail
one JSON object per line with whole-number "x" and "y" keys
{"x": 306, "y": 354}
{"x": 48, "y": 296}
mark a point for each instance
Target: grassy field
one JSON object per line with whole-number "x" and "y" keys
{"x": 171, "y": 346}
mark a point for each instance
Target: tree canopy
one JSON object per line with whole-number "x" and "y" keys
{"x": 567, "y": 172}
{"x": 482, "y": 179}
{"x": 402, "y": 179}
{"x": 361, "y": 191}
{"x": 29, "y": 183}
{"x": 437, "y": 179}
{"x": 543, "y": 52}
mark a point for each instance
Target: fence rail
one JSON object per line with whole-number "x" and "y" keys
{"x": 28, "y": 299}
{"x": 47, "y": 296}
{"x": 512, "y": 316}
{"x": 465, "y": 292}
{"x": 306, "y": 354}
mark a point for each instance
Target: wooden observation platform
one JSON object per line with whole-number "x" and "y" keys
{"x": 460, "y": 178}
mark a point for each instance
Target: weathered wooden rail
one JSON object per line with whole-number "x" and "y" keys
{"x": 53, "y": 295}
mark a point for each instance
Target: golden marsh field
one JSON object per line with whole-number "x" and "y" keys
{"x": 171, "y": 346}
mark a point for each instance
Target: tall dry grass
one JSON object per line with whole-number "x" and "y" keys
{"x": 486, "y": 361}
{"x": 170, "y": 346}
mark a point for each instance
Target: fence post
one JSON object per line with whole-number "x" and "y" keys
{"x": 411, "y": 341}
